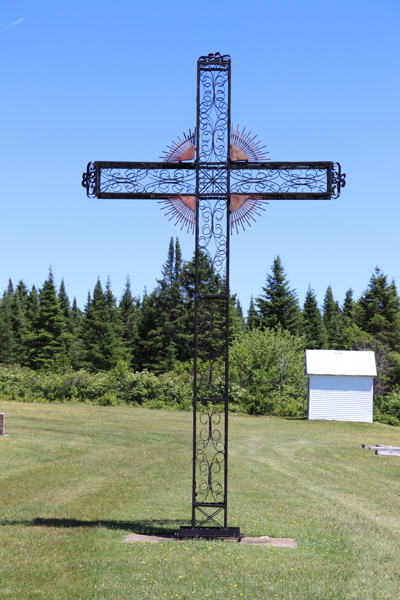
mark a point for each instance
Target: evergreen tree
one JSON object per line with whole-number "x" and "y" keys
{"x": 23, "y": 293}
{"x": 333, "y": 320}
{"x": 46, "y": 340}
{"x": 211, "y": 315}
{"x": 146, "y": 351}
{"x": 279, "y": 304}
{"x": 313, "y": 327}
{"x": 252, "y": 316}
{"x": 178, "y": 261}
{"x": 64, "y": 301}
{"x": 164, "y": 318}
{"x": 240, "y": 324}
{"x": 32, "y": 310}
{"x": 7, "y": 342}
{"x": 378, "y": 311}
{"x": 19, "y": 322}
{"x": 348, "y": 305}
{"x": 75, "y": 329}
{"x": 129, "y": 315}
{"x": 101, "y": 348}
{"x": 168, "y": 268}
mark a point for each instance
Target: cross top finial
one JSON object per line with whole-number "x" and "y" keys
{"x": 215, "y": 58}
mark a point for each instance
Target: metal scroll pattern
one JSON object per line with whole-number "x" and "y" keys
{"x": 147, "y": 181}
{"x": 285, "y": 180}
{"x": 89, "y": 180}
{"x": 213, "y": 116}
{"x": 211, "y": 328}
{"x": 338, "y": 180}
{"x": 210, "y": 454}
{"x": 212, "y": 239}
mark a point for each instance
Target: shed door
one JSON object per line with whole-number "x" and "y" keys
{"x": 340, "y": 398}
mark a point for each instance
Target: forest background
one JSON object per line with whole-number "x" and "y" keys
{"x": 138, "y": 350}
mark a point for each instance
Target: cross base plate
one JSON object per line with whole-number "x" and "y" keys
{"x": 208, "y": 532}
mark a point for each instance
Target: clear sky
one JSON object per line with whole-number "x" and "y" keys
{"x": 89, "y": 80}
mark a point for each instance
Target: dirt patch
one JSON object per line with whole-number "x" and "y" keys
{"x": 264, "y": 540}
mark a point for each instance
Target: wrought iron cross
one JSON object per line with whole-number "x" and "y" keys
{"x": 213, "y": 180}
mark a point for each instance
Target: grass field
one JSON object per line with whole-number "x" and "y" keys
{"x": 75, "y": 479}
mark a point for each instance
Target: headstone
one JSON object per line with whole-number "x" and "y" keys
{"x": 1, "y": 423}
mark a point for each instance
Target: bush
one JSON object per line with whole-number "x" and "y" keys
{"x": 267, "y": 378}
{"x": 387, "y": 408}
{"x": 119, "y": 386}
{"x": 268, "y": 369}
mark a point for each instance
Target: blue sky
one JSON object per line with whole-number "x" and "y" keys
{"x": 93, "y": 80}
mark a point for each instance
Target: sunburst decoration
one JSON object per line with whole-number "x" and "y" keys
{"x": 244, "y": 147}
{"x": 181, "y": 149}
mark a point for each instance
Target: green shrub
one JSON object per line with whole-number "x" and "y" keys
{"x": 387, "y": 408}
{"x": 267, "y": 373}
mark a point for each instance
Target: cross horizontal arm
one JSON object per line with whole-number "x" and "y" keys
{"x": 134, "y": 180}
{"x": 264, "y": 180}
{"x": 287, "y": 180}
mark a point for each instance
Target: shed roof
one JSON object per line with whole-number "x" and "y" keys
{"x": 341, "y": 362}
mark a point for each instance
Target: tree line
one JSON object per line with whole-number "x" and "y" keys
{"x": 43, "y": 330}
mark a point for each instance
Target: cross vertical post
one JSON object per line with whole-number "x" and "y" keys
{"x": 212, "y": 245}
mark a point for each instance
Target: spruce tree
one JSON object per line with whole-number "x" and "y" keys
{"x": 332, "y": 320}
{"x": 75, "y": 329}
{"x": 46, "y": 348}
{"x": 378, "y": 311}
{"x": 178, "y": 261}
{"x": 20, "y": 323}
{"x": 348, "y": 304}
{"x": 101, "y": 348}
{"x": 7, "y": 342}
{"x": 128, "y": 311}
{"x": 237, "y": 323}
{"x": 279, "y": 304}
{"x": 313, "y": 327}
{"x": 252, "y": 316}
{"x": 32, "y": 307}
{"x": 168, "y": 268}
{"x": 164, "y": 319}
{"x": 64, "y": 301}
{"x": 211, "y": 315}
{"x": 147, "y": 351}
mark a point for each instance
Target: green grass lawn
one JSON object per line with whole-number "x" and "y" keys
{"x": 75, "y": 479}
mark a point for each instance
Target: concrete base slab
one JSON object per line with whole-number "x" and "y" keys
{"x": 264, "y": 540}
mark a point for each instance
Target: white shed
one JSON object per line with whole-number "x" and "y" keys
{"x": 340, "y": 384}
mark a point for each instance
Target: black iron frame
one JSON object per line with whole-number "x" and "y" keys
{"x": 212, "y": 178}
{"x": 266, "y": 180}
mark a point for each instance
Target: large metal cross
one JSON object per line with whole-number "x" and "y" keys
{"x": 221, "y": 187}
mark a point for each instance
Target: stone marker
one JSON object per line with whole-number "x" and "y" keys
{"x": 1, "y": 423}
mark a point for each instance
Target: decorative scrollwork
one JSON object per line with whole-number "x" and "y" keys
{"x": 285, "y": 179}
{"x": 213, "y": 237}
{"x": 213, "y": 116}
{"x": 210, "y": 456}
{"x": 144, "y": 182}
{"x": 215, "y": 58}
{"x": 338, "y": 180}
{"x": 89, "y": 180}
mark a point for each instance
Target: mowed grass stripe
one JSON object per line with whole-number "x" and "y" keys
{"x": 76, "y": 478}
